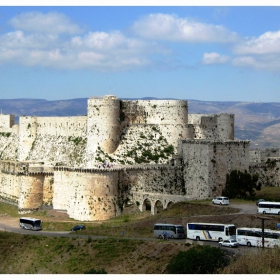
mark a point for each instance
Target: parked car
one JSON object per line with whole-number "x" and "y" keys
{"x": 78, "y": 227}
{"x": 222, "y": 200}
{"x": 260, "y": 200}
{"x": 229, "y": 243}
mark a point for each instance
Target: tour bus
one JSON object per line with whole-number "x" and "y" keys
{"x": 267, "y": 207}
{"x": 169, "y": 231}
{"x": 30, "y": 223}
{"x": 210, "y": 231}
{"x": 253, "y": 237}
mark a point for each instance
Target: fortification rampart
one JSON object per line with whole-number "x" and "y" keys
{"x": 62, "y": 126}
{"x": 269, "y": 172}
{"x": 27, "y": 185}
{"x": 156, "y": 112}
{"x": 58, "y": 160}
{"x": 207, "y": 162}
{"x": 258, "y": 156}
{"x": 7, "y": 121}
{"x": 216, "y": 127}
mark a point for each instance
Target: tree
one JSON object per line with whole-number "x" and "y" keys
{"x": 198, "y": 260}
{"x": 241, "y": 184}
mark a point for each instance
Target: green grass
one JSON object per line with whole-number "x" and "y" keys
{"x": 39, "y": 254}
{"x": 8, "y": 209}
{"x": 269, "y": 193}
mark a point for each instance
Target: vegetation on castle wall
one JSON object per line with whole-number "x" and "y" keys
{"x": 144, "y": 148}
{"x": 5, "y": 134}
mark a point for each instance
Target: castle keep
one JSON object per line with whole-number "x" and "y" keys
{"x": 149, "y": 152}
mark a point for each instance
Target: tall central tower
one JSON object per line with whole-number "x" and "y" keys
{"x": 103, "y": 126}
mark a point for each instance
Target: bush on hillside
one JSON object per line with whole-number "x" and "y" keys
{"x": 96, "y": 271}
{"x": 198, "y": 260}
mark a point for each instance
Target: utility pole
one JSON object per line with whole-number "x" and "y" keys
{"x": 263, "y": 218}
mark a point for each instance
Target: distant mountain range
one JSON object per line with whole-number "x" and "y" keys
{"x": 254, "y": 121}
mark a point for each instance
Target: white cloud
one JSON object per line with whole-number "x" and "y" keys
{"x": 173, "y": 28}
{"x": 37, "y": 41}
{"x": 18, "y": 39}
{"x": 260, "y": 53}
{"x": 214, "y": 58}
{"x": 268, "y": 62}
{"x": 54, "y": 23}
{"x": 268, "y": 42}
{"x": 99, "y": 51}
{"x": 53, "y": 40}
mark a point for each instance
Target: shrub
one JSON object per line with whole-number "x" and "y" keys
{"x": 198, "y": 260}
{"x": 96, "y": 271}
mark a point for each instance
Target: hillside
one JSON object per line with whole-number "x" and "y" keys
{"x": 135, "y": 252}
{"x": 257, "y": 122}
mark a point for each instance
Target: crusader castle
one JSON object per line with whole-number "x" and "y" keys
{"x": 152, "y": 153}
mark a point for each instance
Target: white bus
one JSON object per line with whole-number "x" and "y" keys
{"x": 267, "y": 207}
{"x": 210, "y": 231}
{"x": 169, "y": 231}
{"x": 30, "y": 223}
{"x": 253, "y": 237}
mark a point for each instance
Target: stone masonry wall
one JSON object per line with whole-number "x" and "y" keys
{"x": 6, "y": 121}
{"x": 170, "y": 116}
{"x": 31, "y": 193}
{"x": 269, "y": 172}
{"x": 208, "y": 162}
{"x": 258, "y": 155}
{"x": 216, "y": 127}
{"x": 87, "y": 195}
{"x": 9, "y": 188}
{"x": 139, "y": 137}
{"x": 9, "y": 146}
{"x": 163, "y": 179}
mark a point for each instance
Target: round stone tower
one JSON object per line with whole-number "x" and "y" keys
{"x": 103, "y": 126}
{"x": 170, "y": 115}
{"x": 30, "y": 193}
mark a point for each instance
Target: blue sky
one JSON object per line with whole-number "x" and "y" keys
{"x": 208, "y": 53}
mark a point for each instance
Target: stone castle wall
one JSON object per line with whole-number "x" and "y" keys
{"x": 6, "y": 121}
{"x": 85, "y": 194}
{"x": 207, "y": 162}
{"x": 269, "y": 172}
{"x": 57, "y": 158}
{"x": 258, "y": 156}
{"x": 216, "y": 127}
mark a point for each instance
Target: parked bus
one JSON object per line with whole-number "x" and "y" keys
{"x": 210, "y": 231}
{"x": 253, "y": 237}
{"x": 30, "y": 223}
{"x": 169, "y": 231}
{"x": 267, "y": 207}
